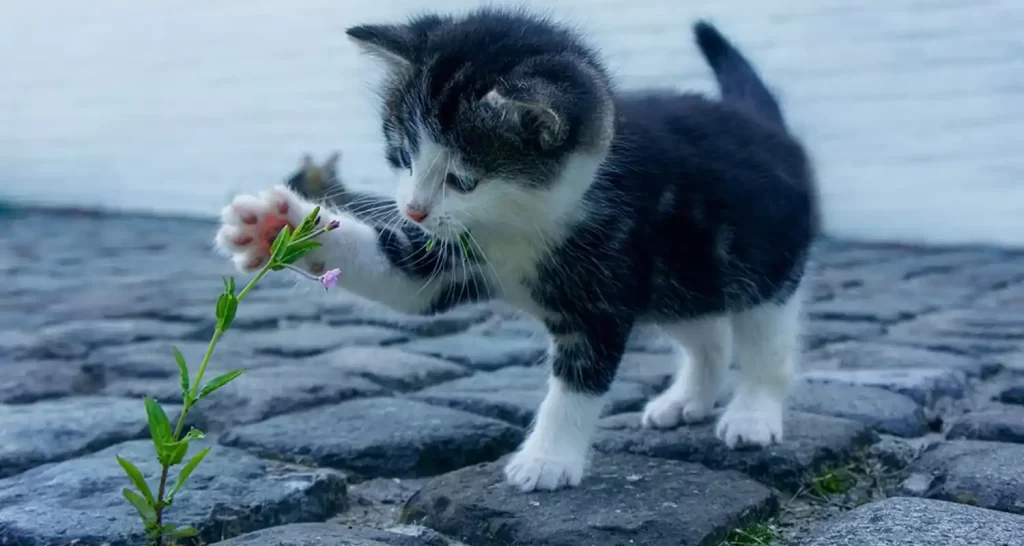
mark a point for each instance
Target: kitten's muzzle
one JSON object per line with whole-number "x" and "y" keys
{"x": 416, "y": 213}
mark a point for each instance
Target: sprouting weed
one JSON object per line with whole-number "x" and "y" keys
{"x": 171, "y": 446}
{"x": 464, "y": 244}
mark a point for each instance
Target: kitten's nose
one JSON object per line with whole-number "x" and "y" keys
{"x": 416, "y": 214}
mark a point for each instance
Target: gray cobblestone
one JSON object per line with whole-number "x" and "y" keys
{"x": 514, "y": 394}
{"x": 899, "y": 340}
{"x": 919, "y": 522}
{"x": 986, "y": 474}
{"x": 379, "y": 437}
{"x": 482, "y": 352}
{"x": 393, "y": 368}
{"x": 232, "y": 493}
{"x": 923, "y": 385}
{"x": 56, "y": 430}
{"x": 995, "y": 423}
{"x": 882, "y": 410}
{"x": 626, "y": 500}
{"x": 813, "y": 443}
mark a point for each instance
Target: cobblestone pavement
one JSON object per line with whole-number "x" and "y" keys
{"x": 359, "y": 426}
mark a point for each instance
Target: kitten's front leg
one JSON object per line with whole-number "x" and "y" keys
{"x": 389, "y": 266}
{"x": 554, "y": 454}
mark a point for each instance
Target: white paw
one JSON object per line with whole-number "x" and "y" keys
{"x": 250, "y": 224}
{"x": 531, "y": 471}
{"x": 669, "y": 409}
{"x": 746, "y": 424}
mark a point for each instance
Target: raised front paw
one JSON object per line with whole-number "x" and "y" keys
{"x": 250, "y": 224}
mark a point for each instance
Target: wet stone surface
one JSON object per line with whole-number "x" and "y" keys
{"x": 986, "y": 474}
{"x": 333, "y": 534}
{"x": 812, "y": 442}
{"x": 924, "y": 386}
{"x": 513, "y": 394}
{"x": 231, "y": 493}
{"x": 919, "y": 522}
{"x": 392, "y": 368}
{"x": 882, "y": 410}
{"x": 913, "y": 363}
{"x": 378, "y": 437}
{"x": 32, "y": 380}
{"x": 483, "y": 353}
{"x": 1013, "y": 394}
{"x": 56, "y": 430}
{"x": 624, "y": 500}
{"x": 305, "y": 340}
{"x": 994, "y": 423}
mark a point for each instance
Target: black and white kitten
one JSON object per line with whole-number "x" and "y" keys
{"x": 525, "y": 176}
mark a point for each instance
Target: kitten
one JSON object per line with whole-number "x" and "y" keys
{"x": 322, "y": 184}
{"x": 317, "y": 182}
{"x": 525, "y": 176}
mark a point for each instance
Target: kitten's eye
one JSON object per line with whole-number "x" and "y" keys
{"x": 399, "y": 158}
{"x": 405, "y": 159}
{"x": 459, "y": 183}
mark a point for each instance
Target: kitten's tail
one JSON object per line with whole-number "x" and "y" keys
{"x": 737, "y": 78}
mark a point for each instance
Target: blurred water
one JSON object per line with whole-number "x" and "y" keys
{"x": 914, "y": 109}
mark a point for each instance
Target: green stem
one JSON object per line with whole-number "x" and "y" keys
{"x": 256, "y": 279}
{"x": 191, "y": 396}
{"x": 311, "y": 236}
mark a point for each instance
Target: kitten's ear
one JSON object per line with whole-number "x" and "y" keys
{"x": 331, "y": 163}
{"x": 307, "y": 161}
{"x": 393, "y": 44}
{"x": 534, "y": 105}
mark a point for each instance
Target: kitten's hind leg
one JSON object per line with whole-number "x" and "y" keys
{"x": 691, "y": 396}
{"x": 767, "y": 346}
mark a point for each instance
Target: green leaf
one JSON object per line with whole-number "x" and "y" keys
{"x": 194, "y": 434}
{"x": 226, "y": 289}
{"x": 162, "y": 531}
{"x": 297, "y": 250}
{"x": 159, "y": 425}
{"x": 231, "y": 286}
{"x": 183, "y": 368}
{"x": 219, "y": 382}
{"x": 464, "y": 242}
{"x": 176, "y": 452}
{"x": 226, "y": 316}
{"x": 145, "y": 510}
{"x": 182, "y": 532}
{"x": 137, "y": 478}
{"x": 430, "y": 244}
{"x": 186, "y": 471}
{"x": 222, "y": 305}
{"x": 280, "y": 243}
{"x": 308, "y": 223}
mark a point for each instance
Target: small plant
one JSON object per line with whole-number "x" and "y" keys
{"x": 833, "y": 482}
{"x": 171, "y": 446}
{"x": 755, "y": 534}
{"x": 464, "y": 244}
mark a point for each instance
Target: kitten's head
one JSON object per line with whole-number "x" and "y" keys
{"x": 313, "y": 181}
{"x": 497, "y": 119}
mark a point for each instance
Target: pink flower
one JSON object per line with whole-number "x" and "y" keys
{"x": 330, "y": 278}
